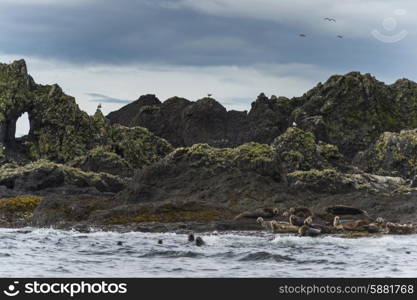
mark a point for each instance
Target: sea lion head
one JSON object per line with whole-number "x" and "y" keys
{"x": 191, "y": 237}
{"x": 259, "y": 220}
{"x": 336, "y": 221}
{"x": 275, "y": 211}
{"x": 302, "y": 230}
{"x": 293, "y": 220}
{"x": 308, "y": 221}
{"x": 199, "y": 241}
{"x": 380, "y": 220}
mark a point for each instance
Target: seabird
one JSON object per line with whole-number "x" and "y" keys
{"x": 302, "y": 35}
{"x": 294, "y": 124}
{"x": 340, "y": 36}
{"x": 330, "y": 19}
{"x": 209, "y": 95}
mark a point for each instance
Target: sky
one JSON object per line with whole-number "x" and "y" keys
{"x": 113, "y": 51}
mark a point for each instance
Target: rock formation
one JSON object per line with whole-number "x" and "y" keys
{"x": 349, "y": 111}
{"x": 350, "y": 141}
{"x": 59, "y": 130}
{"x": 185, "y": 123}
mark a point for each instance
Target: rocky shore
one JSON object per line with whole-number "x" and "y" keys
{"x": 180, "y": 165}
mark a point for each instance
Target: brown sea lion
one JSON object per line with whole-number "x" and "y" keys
{"x": 323, "y": 228}
{"x": 359, "y": 225}
{"x": 308, "y": 231}
{"x": 395, "y": 228}
{"x": 268, "y": 225}
{"x": 340, "y": 210}
{"x": 296, "y": 221}
{"x": 302, "y": 212}
{"x": 266, "y": 213}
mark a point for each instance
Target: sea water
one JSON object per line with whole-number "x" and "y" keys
{"x": 33, "y": 252}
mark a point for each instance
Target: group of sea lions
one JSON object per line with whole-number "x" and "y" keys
{"x": 335, "y": 219}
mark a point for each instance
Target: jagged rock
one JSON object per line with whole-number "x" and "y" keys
{"x": 184, "y": 123}
{"x": 393, "y": 154}
{"x": 351, "y": 111}
{"x": 348, "y": 111}
{"x": 59, "y": 130}
{"x": 296, "y": 150}
{"x": 203, "y": 173}
{"x": 100, "y": 160}
{"x": 45, "y": 175}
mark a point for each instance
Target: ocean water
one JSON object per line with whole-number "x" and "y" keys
{"x": 33, "y": 252}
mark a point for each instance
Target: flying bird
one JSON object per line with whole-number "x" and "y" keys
{"x": 302, "y": 35}
{"x": 340, "y": 36}
{"x": 330, "y": 19}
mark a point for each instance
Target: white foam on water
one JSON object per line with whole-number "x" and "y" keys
{"x": 48, "y": 252}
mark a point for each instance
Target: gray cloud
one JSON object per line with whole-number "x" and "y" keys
{"x": 194, "y": 33}
{"x": 106, "y": 99}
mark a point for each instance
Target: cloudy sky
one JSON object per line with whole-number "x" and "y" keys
{"x": 112, "y": 51}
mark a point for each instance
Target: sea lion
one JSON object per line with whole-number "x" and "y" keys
{"x": 119, "y": 243}
{"x": 296, "y": 221}
{"x": 308, "y": 231}
{"x": 308, "y": 221}
{"x": 323, "y": 228}
{"x": 359, "y": 225}
{"x": 191, "y": 237}
{"x": 160, "y": 242}
{"x": 302, "y": 212}
{"x": 199, "y": 242}
{"x": 268, "y": 225}
{"x": 341, "y": 210}
{"x": 266, "y": 213}
{"x": 395, "y": 228}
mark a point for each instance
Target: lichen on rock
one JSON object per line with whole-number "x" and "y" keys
{"x": 59, "y": 130}
{"x": 297, "y": 150}
{"x": 393, "y": 154}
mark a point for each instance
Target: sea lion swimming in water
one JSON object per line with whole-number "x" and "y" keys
{"x": 191, "y": 237}
{"x": 308, "y": 231}
{"x": 266, "y": 213}
{"x": 199, "y": 242}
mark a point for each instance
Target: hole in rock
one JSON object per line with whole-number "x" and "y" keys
{"x": 22, "y": 126}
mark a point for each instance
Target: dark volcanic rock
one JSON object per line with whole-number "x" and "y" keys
{"x": 393, "y": 154}
{"x": 59, "y": 130}
{"x": 184, "y": 123}
{"x": 297, "y": 150}
{"x": 246, "y": 177}
{"x": 100, "y": 160}
{"x": 49, "y": 176}
{"x": 351, "y": 111}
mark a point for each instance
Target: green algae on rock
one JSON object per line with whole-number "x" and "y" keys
{"x": 393, "y": 154}
{"x": 297, "y": 150}
{"x": 59, "y": 130}
{"x": 42, "y": 174}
